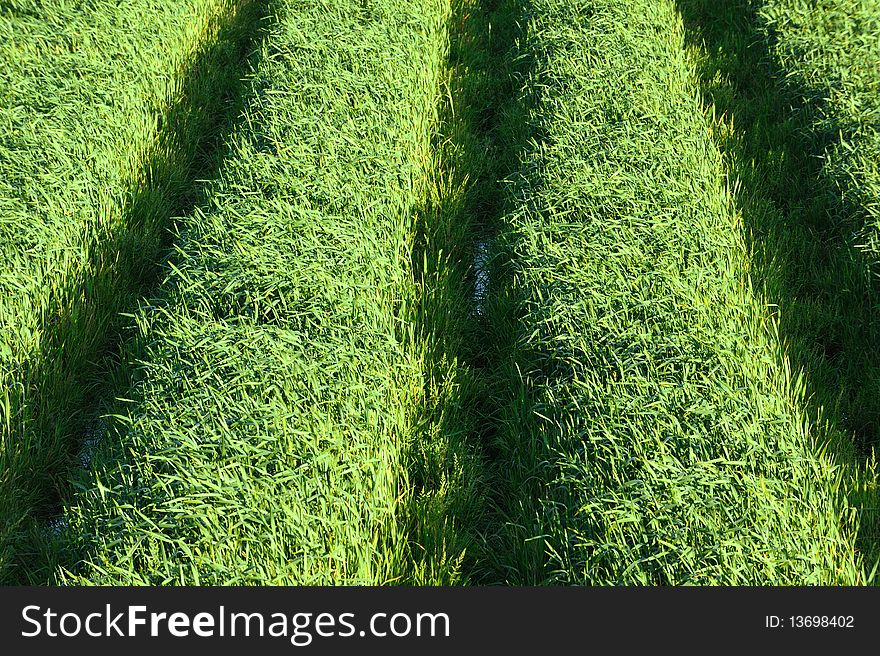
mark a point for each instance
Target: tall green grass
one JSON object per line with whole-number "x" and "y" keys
{"x": 264, "y": 440}
{"x": 108, "y": 112}
{"x": 830, "y": 52}
{"x": 782, "y": 148}
{"x": 826, "y": 57}
{"x": 829, "y": 55}
{"x": 651, "y": 429}
{"x": 323, "y": 388}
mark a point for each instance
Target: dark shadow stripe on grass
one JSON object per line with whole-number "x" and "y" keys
{"x": 453, "y": 467}
{"x": 802, "y": 228}
{"x": 71, "y": 382}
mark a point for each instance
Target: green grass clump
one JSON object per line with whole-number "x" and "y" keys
{"x": 107, "y": 115}
{"x": 265, "y": 437}
{"x": 653, "y": 433}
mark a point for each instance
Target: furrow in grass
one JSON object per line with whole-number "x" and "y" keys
{"x": 451, "y": 468}
{"x": 653, "y": 430}
{"x": 264, "y": 439}
{"x": 109, "y": 112}
{"x": 782, "y": 145}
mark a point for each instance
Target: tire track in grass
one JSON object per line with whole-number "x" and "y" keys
{"x": 55, "y": 396}
{"x": 803, "y": 229}
{"x": 452, "y": 470}
{"x": 652, "y": 433}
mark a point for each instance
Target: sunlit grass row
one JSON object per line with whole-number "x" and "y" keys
{"x": 654, "y": 433}
{"x": 93, "y": 159}
{"x": 264, "y": 438}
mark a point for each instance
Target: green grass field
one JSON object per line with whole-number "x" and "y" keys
{"x": 447, "y": 292}
{"x": 791, "y": 86}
